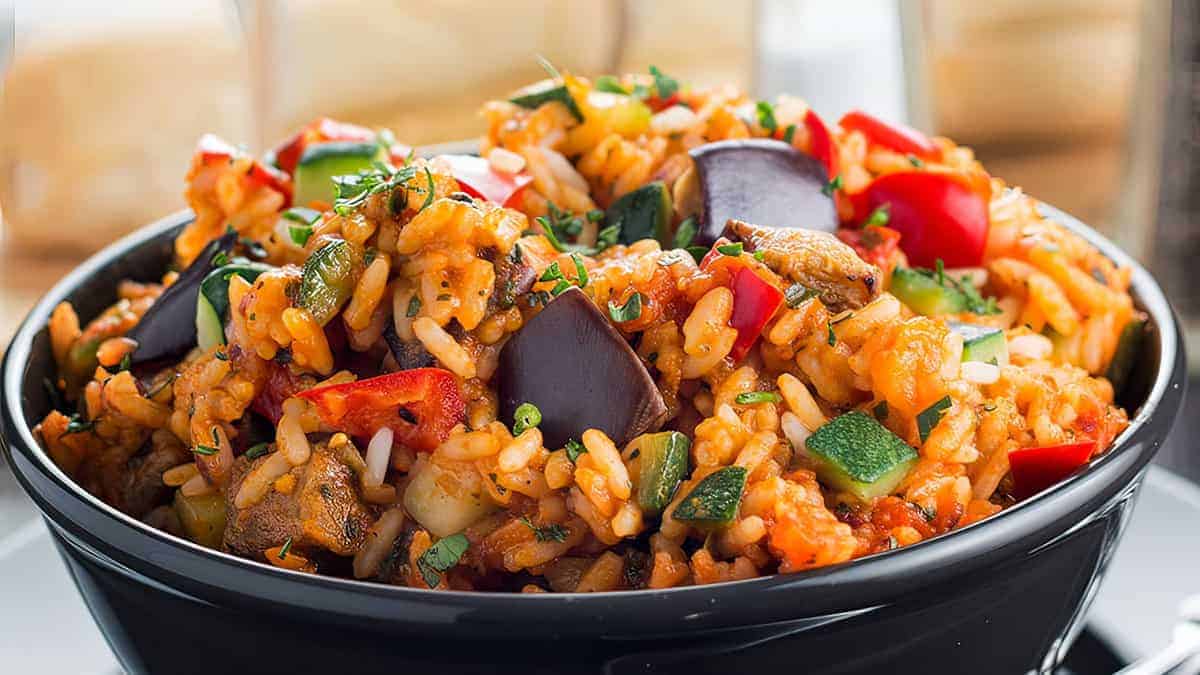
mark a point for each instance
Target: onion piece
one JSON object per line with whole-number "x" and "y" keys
{"x": 978, "y": 372}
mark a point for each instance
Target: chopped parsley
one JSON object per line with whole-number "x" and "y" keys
{"x": 685, "y": 233}
{"x": 257, "y": 450}
{"x": 205, "y": 450}
{"x": 832, "y": 186}
{"x": 595, "y": 216}
{"x": 414, "y": 306}
{"x": 283, "y": 550}
{"x": 631, "y": 310}
{"x": 526, "y": 416}
{"x": 126, "y": 362}
{"x": 430, "y": 189}
{"x": 928, "y": 419}
{"x": 220, "y": 259}
{"x": 552, "y": 273}
{"x": 697, "y": 253}
{"x": 607, "y": 237}
{"x": 220, "y": 355}
{"x": 574, "y": 449}
{"x": 609, "y": 84}
{"x": 880, "y": 216}
{"x": 560, "y": 287}
{"x": 832, "y": 339}
{"x": 975, "y": 302}
{"x": 915, "y": 161}
{"x": 789, "y": 133}
{"x": 664, "y": 85}
{"x": 766, "y": 117}
{"x": 734, "y": 249}
{"x": 353, "y": 190}
{"x": 581, "y": 275}
{"x": 753, "y": 397}
{"x": 440, "y": 557}
{"x": 760, "y": 256}
{"x": 558, "y": 226}
{"x": 554, "y": 532}
{"x": 77, "y": 425}
{"x": 797, "y": 294}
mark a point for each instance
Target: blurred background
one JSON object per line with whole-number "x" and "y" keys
{"x": 1087, "y": 104}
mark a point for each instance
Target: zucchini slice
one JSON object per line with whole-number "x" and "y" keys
{"x": 856, "y": 454}
{"x": 981, "y": 343}
{"x": 663, "y": 464}
{"x": 322, "y": 161}
{"x": 715, "y": 500}
{"x": 644, "y": 213}
{"x": 212, "y": 303}
{"x": 545, "y": 91}
{"x": 328, "y": 280}
{"x": 924, "y": 295}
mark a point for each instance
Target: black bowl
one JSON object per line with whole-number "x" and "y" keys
{"x": 1003, "y": 596}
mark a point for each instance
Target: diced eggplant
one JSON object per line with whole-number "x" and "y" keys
{"x": 759, "y": 181}
{"x": 815, "y": 260}
{"x": 572, "y": 364}
{"x": 408, "y": 355}
{"x": 168, "y": 328}
{"x": 514, "y": 277}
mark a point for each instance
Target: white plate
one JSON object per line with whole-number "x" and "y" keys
{"x": 45, "y": 627}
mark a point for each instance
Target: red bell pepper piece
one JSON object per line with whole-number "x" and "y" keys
{"x": 212, "y": 148}
{"x": 431, "y": 396}
{"x": 938, "y": 215}
{"x": 658, "y": 104}
{"x": 477, "y": 178}
{"x": 1035, "y": 469}
{"x": 903, "y": 139}
{"x": 754, "y": 303}
{"x": 821, "y": 144}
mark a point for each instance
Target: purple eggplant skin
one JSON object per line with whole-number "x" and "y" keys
{"x": 408, "y": 355}
{"x": 760, "y": 181}
{"x": 168, "y": 328}
{"x": 579, "y": 371}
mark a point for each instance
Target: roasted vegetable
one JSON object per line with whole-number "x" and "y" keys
{"x": 328, "y": 280}
{"x": 857, "y": 454}
{"x": 662, "y": 465}
{"x": 715, "y": 500}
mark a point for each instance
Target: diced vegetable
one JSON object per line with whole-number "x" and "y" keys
{"x": 477, "y": 178}
{"x": 1035, "y": 469}
{"x": 1128, "y": 346}
{"x": 715, "y": 500}
{"x": 212, "y": 304}
{"x": 212, "y": 149}
{"x": 202, "y": 517}
{"x": 328, "y": 280}
{"x": 856, "y": 454}
{"x": 821, "y": 144}
{"x": 928, "y": 419}
{"x": 168, "y": 328}
{"x": 538, "y": 93}
{"x": 924, "y": 295}
{"x": 322, "y": 161}
{"x": 644, "y": 213}
{"x": 898, "y": 137}
{"x": 938, "y": 216}
{"x": 663, "y": 464}
{"x": 441, "y": 557}
{"x": 755, "y": 302}
{"x": 429, "y": 499}
{"x": 421, "y": 406}
{"x": 982, "y": 343}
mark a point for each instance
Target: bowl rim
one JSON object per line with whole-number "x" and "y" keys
{"x": 958, "y": 547}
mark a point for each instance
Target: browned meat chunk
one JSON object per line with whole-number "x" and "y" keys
{"x": 141, "y": 487}
{"x": 817, "y": 260}
{"x": 322, "y": 509}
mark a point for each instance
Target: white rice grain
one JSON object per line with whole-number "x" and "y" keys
{"x": 379, "y": 452}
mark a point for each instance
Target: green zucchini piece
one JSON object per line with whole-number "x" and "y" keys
{"x": 212, "y": 302}
{"x": 981, "y": 343}
{"x": 664, "y": 463}
{"x": 328, "y": 280}
{"x": 1128, "y": 346}
{"x": 545, "y": 91}
{"x": 644, "y": 213}
{"x": 202, "y": 518}
{"x": 924, "y": 295}
{"x": 715, "y": 501}
{"x": 322, "y": 161}
{"x": 928, "y": 419}
{"x": 856, "y": 454}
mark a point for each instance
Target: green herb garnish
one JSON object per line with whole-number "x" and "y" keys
{"x": 832, "y": 339}
{"x": 77, "y": 425}
{"x": 915, "y": 161}
{"x": 220, "y": 355}
{"x": 353, "y": 190}
{"x": 631, "y": 310}
{"x": 283, "y": 550}
{"x": 760, "y": 256}
{"x": 205, "y": 450}
{"x": 796, "y": 294}
{"x": 220, "y": 259}
{"x": 430, "y": 189}
{"x": 766, "y": 116}
{"x": 609, "y": 84}
{"x": 665, "y": 86}
{"x": 414, "y": 306}
{"x": 257, "y": 450}
{"x": 832, "y": 186}
{"x": 697, "y": 252}
{"x": 126, "y": 362}
{"x": 526, "y": 416}
{"x": 734, "y": 249}
{"x": 560, "y": 287}
{"x": 595, "y": 216}
{"x": 554, "y": 532}
{"x": 879, "y": 216}
{"x": 551, "y": 273}
{"x": 440, "y": 557}
{"x": 685, "y": 233}
{"x": 574, "y": 449}
{"x": 789, "y": 133}
{"x": 581, "y": 275}
{"x": 753, "y": 397}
